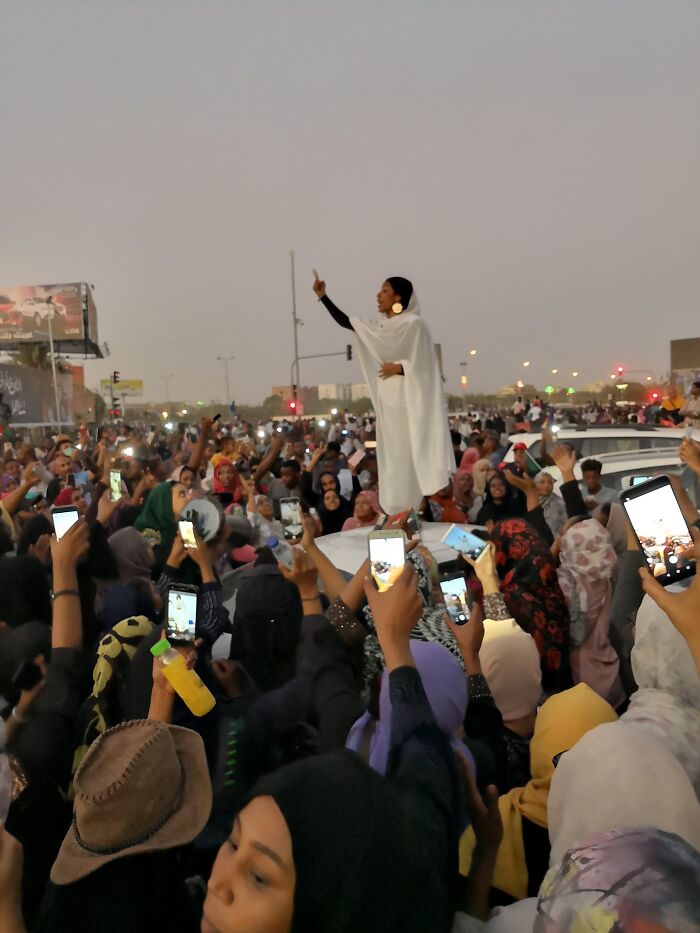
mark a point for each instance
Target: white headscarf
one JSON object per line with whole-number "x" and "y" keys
{"x": 667, "y": 704}
{"x": 414, "y": 449}
{"x": 619, "y": 777}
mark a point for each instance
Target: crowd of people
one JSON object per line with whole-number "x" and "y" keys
{"x": 368, "y": 764}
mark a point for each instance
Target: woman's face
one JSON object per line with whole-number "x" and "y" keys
{"x": 327, "y": 482}
{"x": 187, "y": 479}
{"x": 465, "y": 483}
{"x": 387, "y": 298}
{"x": 79, "y": 501}
{"x": 498, "y": 489}
{"x": 226, "y": 474}
{"x": 251, "y": 888}
{"x": 544, "y": 484}
{"x": 13, "y": 469}
{"x": 364, "y": 510}
{"x": 265, "y": 507}
{"x": 179, "y": 499}
{"x": 331, "y": 500}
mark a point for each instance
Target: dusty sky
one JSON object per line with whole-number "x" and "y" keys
{"x": 531, "y": 166}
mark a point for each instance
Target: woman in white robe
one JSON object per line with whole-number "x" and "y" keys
{"x": 399, "y": 361}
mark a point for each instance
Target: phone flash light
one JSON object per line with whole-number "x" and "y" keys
{"x": 128, "y": 451}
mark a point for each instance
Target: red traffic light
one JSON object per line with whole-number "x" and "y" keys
{"x": 292, "y": 405}
{"x": 654, "y": 396}
{"x": 620, "y": 370}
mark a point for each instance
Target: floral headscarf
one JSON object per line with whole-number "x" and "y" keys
{"x": 635, "y": 880}
{"x": 532, "y": 594}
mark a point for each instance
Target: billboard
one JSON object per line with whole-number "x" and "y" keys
{"x": 685, "y": 363}
{"x": 27, "y": 312}
{"x": 29, "y": 393}
{"x": 129, "y": 387}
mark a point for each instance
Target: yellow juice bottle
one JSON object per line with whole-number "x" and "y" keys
{"x": 186, "y": 683}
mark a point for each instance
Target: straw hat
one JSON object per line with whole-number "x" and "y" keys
{"x": 142, "y": 787}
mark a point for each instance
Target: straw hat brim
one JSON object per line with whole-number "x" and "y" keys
{"x": 73, "y": 862}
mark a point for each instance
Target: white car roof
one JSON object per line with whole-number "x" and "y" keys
{"x": 626, "y": 462}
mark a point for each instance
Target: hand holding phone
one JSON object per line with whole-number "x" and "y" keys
{"x": 182, "y": 614}
{"x": 663, "y": 534}
{"x": 387, "y": 554}
{"x": 464, "y": 541}
{"x": 64, "y": 517}
{"x": 115, "y": 485}
{"x": 186, "y": 530}
{"x": 290, "y": 513}
{"x": 454, "y": 592}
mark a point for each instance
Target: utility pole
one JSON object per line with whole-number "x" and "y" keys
{"x": 56, "y": 396}
{"x": 296, "y": 323}
{"x": 226, "y": 360}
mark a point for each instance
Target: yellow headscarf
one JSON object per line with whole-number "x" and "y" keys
{"x": 560, "y": 723}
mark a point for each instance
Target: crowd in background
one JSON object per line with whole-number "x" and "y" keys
{"x": 367, "y": 764}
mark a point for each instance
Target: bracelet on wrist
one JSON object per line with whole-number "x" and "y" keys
{"x": 310, "y": 599}
{"x": 65, "y": 593}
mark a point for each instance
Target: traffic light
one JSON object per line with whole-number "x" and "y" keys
{"x": 115, "y": 377}
{"x": 348, "y": 352}
{"x": 292, "y": 404}
{"x": 464, "y": 381}
{"x": 620, "y": 370}
{"x": 654, "y": 396}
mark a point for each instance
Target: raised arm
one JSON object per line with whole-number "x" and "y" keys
{"x": 269, "y": 458}
{"x": 338, "y": 316}
{"x": 198, "y": 450}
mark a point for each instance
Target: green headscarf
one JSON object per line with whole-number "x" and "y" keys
{"x": 157, "y": 520}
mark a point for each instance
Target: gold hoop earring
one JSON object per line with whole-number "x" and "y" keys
{"x": 397, "y": 308}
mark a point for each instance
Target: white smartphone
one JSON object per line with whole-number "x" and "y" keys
{"x": 464, "y": 541}
{"x": 356, "y": 458}
{"x": 182, "y": 614}
{"x": 115, "y": 485}
{"x": 64, "y": 517}
{"x": 290, "y": 513}
{"x": 186, "y": 529}
{"x": 387, "y": 554}
{"x": 454, "y": 591}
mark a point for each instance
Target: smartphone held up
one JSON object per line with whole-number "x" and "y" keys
{"x": 454, "y": 592}
{"x": 290, "y": 513}
{"x": 387, "y": 555}
{"x": 661, "y": 530}
{"x": 182, "y": 614}
{"x": 64, "y": 517}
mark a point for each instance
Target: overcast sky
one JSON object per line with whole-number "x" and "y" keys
{"x": 531, "y": 166}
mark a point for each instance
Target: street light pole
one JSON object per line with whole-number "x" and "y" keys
{"x": 167, "y": 386}
{"x": 225, "y": 360}
{"x": 56, "y": 396}
{"x": 295, "y": 322}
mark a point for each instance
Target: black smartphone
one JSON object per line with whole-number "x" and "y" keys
{"x": 26, "y": 676}
{"x": 64, "y": 517}
{"x": 454, "y": 592}
{"x": 216, "y": 418}
{"x": 290, "y": 513}
{"x": 70, "y": 480}
{"x": 662, "y": 531}
{"x": 182, "y": 614}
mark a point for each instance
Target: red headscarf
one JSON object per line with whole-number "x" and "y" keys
{"x": 234, "y": 488}
{"x": 65, "y": 496}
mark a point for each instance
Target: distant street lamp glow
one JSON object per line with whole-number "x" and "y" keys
{"x": 520, "y": 384}
{"x": 574, "y": 374}
{"x": 472, "y": 353}
{"x": 649, "y": 379}
{"x": 334, "y": 411}
{"x": 165, "y": 414}
{"x": 554, "y": 372}
{"x": 526, "y": 363}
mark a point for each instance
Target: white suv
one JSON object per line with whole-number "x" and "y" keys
{"x": 595, "y": 441}
{"x": 623, "y": 470}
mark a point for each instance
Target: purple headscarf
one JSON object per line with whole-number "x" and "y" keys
{"x": 445, "y": 686}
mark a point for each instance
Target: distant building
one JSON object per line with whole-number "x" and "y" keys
{"x": 307, "y": 395}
